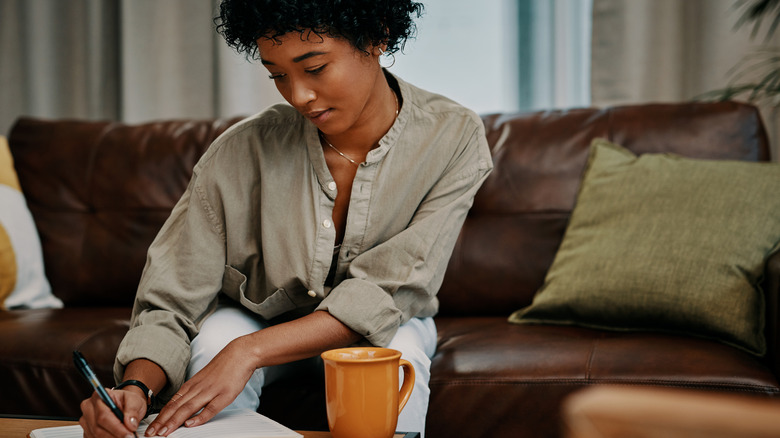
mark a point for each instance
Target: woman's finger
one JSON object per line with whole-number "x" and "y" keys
{"x": 132, "y": 405}
{"x": 207, "y": 413}
{"x": 181, "y": 407}
{"x": 98, "y": 421}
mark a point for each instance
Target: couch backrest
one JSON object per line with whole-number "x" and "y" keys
{"x": 100, "y": 191}
{"x": 519, "y": 216}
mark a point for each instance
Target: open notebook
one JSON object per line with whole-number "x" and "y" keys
{"x": 240, "y": 423}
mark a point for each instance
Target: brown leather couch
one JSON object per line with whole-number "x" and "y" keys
{"x": 99, "y": 192}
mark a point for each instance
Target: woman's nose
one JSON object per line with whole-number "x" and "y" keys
{"x": 302, "y": 94}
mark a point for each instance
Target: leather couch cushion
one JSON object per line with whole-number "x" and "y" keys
{"x": 665, "y": 243}
{"x": 100, "y": 192}
{"x": 486, "y": 369}
{"x": 36, "y": 356}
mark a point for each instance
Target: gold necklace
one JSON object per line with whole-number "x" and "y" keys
{"x": 322, "y": 136}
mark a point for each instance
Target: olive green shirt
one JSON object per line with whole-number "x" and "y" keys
{"x": 255, "y": 226}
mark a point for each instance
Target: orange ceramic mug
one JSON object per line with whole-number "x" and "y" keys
{"x": 361, "y": 391}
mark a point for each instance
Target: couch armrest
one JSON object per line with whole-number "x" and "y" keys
{"x": 771, "y": 287}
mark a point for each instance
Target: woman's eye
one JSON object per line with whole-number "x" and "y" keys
{"x": 317, "y": 70}
{"x": 277, "y": 76}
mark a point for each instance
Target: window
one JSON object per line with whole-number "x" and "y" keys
{"x": 502, "y": 55}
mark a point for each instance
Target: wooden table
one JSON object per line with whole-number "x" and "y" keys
{"x": 20, "y": 427}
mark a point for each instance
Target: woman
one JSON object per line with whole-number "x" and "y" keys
{"x": 320, "y": 224}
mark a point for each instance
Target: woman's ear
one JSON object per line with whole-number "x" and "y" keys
{"x": 379, "y": 49}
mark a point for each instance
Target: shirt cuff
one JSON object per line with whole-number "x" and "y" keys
{"x": 365, "y": 308}
{"x": 168, "y": 351}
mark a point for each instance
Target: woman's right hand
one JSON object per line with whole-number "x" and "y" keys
{"x": 98, "y": 421}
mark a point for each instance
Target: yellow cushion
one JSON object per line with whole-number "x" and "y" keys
{"x": 7, "y": 265}
{"x": 7, "y": 173}
{"x": 23, "y": 283}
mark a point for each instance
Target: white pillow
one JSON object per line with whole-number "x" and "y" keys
{"x": 23, "y": 282}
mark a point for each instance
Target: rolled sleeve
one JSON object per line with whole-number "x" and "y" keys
{"x": 365, "y": 308}
{"x": 169, "y": 352}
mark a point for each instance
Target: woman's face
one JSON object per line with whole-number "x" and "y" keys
{"x": 326, "y": 79}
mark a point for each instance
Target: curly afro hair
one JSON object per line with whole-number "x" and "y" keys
{"x": 364, "y": 23}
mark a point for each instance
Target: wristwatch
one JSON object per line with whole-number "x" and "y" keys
{"x": 144, "y": 388}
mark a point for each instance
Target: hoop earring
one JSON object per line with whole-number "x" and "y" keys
{"x": 386, "y": 55}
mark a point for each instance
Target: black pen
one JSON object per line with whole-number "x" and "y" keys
{"x": 88, "y": 374}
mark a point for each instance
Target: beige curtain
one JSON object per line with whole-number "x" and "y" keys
{"x": 57, "y": 58}
{"x": 127, "y": 60}
{"x": 668, "y": 50}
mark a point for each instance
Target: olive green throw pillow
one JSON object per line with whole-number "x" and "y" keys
{"x": 664, "y": 243}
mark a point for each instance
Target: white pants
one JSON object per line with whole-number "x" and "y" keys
{"x": 416, "y": 340}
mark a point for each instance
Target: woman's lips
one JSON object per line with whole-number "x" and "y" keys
{"x": 318, "y": 117}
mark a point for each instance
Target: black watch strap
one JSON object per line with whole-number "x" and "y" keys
{"x": 139, "y": 384}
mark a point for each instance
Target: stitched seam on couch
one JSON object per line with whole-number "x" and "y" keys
{"x": 591, "y": 355}
{"x": 670, "y": 383}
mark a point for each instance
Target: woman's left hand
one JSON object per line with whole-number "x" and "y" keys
{"x": 211, "y": 389}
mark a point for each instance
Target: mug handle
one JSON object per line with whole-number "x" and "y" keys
{"x": 406, "y": 388}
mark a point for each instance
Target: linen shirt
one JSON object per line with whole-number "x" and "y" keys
{"x": 255, "y": 226}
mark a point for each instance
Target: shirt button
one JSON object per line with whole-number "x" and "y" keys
{"x": 332, "y": 185}
{"x": 312, "y": 293}
{"x": 326, "y": 223}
